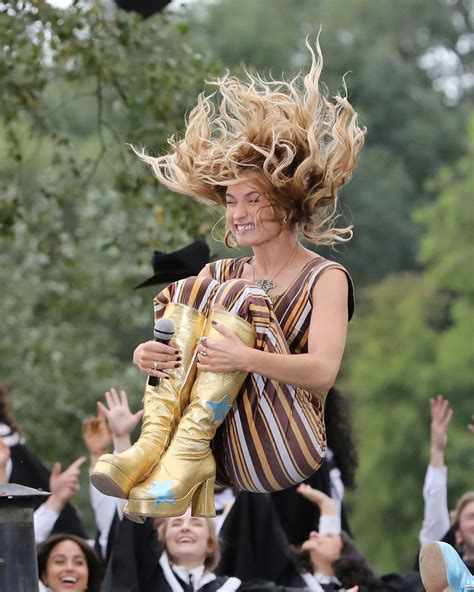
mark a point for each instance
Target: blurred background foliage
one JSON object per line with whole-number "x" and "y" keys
{"x": 79, "y": 214}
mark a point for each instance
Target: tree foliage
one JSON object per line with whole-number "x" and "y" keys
{"x": 412, "y": 340}
{"x": 412, "y": 131}
{"x": 78, "y": 211}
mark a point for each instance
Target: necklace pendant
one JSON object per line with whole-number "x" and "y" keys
{"x": 265, "y": 285}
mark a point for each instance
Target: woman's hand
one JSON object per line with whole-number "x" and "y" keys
{"x": 223, "y": 355}
{"x": 96, "y": 435}
{"x": 121, "y": 420}
{"x": 327, "y": 506}
{"x": 156, "y": 359}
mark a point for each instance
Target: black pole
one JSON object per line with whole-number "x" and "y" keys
{"x": 18, "y": 563}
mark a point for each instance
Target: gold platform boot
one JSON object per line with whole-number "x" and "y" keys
{"x": 187, "y": 469}
{"x": 116, "y": 474}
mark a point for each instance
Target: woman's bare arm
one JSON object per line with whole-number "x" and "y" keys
{"x": 316, "y": 370}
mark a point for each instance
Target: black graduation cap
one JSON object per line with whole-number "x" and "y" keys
{"x": 170, "y": 267}
{"x": 144, "y": 7}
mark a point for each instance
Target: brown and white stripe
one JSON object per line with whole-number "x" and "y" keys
{"x": 274, "y": 435}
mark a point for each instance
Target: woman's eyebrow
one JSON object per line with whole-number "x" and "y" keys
{"x": 252, "y": 192}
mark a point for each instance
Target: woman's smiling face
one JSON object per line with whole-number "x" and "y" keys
{"x": 250, "y": 215}
{"x": 187, "y": 539}
{"x": 66, "y": 568}
{"x": 324, "y": 548}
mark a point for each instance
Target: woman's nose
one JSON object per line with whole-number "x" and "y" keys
{"x": 240, "y": 211}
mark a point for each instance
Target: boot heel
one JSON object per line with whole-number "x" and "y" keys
{"x": 203, "y": 499}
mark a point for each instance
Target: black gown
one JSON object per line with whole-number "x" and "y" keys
{"x": 134, "y": 565}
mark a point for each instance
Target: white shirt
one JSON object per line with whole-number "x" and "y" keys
{"x": 200, "y": 577}
{"x": 436, "y": 521}
{"x": 314, "y": 581}
{"x": 104, "y": 508}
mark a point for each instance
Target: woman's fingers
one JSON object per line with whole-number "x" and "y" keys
{"x": 153, "y": 357}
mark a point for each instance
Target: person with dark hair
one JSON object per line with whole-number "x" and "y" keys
{"x": 257, "y": 547}
{"x": 329, "y": 558}
{"x": 297, "y": 515}
{"x": 67, "y": 562}
{"x": 19, "y": 465}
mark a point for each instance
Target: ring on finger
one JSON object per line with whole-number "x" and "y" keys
{"x": 156, "y": 365}
{"x": 203, "y": 351}
{"x": 203, "y": 339}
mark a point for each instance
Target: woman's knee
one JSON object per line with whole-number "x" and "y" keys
{"x": 194, "y": 291}
{"x": 236, "y": 295}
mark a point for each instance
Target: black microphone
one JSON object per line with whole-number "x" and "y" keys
{"x": 163, "y": 332}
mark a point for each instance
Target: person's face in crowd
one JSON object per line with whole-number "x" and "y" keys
{"x": 250, "y": 216}
{"x": 465, "y": 532}
{"x": 66, "y": 568}
{"x": 187, "y": 540}
{"x": 323, "y": 549}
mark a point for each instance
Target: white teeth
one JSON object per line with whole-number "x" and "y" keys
{"x": 243, "y": 227}
{"x": 69, "y": 580}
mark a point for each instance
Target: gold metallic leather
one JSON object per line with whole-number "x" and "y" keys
{"x": 187, "y": 469}
{"x": 163, "y": 405}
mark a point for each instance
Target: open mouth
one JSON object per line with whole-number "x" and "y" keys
{"x": 244, "y": 227}
{"x": 185, "y": 539}
{"x": 69, "y": 580}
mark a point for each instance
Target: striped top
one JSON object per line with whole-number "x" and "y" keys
{"x": 293, "y": 306}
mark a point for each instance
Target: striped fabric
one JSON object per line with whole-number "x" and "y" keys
{"x": 274, "y": 435}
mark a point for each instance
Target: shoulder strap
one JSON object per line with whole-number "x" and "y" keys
{"x": 319, "y": 270}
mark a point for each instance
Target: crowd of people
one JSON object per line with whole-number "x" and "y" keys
{"x": 237, "y": 404}
{"x": 252, "y": 544}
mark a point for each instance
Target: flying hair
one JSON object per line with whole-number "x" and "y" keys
{"x": 288, "y": 139}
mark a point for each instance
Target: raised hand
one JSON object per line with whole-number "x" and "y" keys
{"x": 327, "y": 506}
{"x": 64, "y": 484}
{"x": 96, "y": 435}
{"x": 121, "y": 420}
{"x": 441, "y": 414}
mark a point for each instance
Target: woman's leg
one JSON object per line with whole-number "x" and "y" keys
{"x": 272, "y": 437}
{"x": 186, "y": 304}
{"x": 187, "y": 470}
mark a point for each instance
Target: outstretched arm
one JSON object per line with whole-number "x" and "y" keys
{"x": 436, "y": 515}
{"x": 329, "y": 519}
{"x": 63, "y": 485}
{"x": 114, "y": 423}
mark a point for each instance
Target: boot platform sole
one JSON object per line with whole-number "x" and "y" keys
{"x": 109, "y": 480}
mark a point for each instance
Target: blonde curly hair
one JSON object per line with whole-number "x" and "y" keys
{"x": 296, "y": 145}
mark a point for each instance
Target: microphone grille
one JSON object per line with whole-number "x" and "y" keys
{"x": 163, "y": 329}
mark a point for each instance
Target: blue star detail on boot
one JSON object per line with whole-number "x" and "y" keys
{"x": 219, "y": 410}
{"x": 162, "y": 492}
